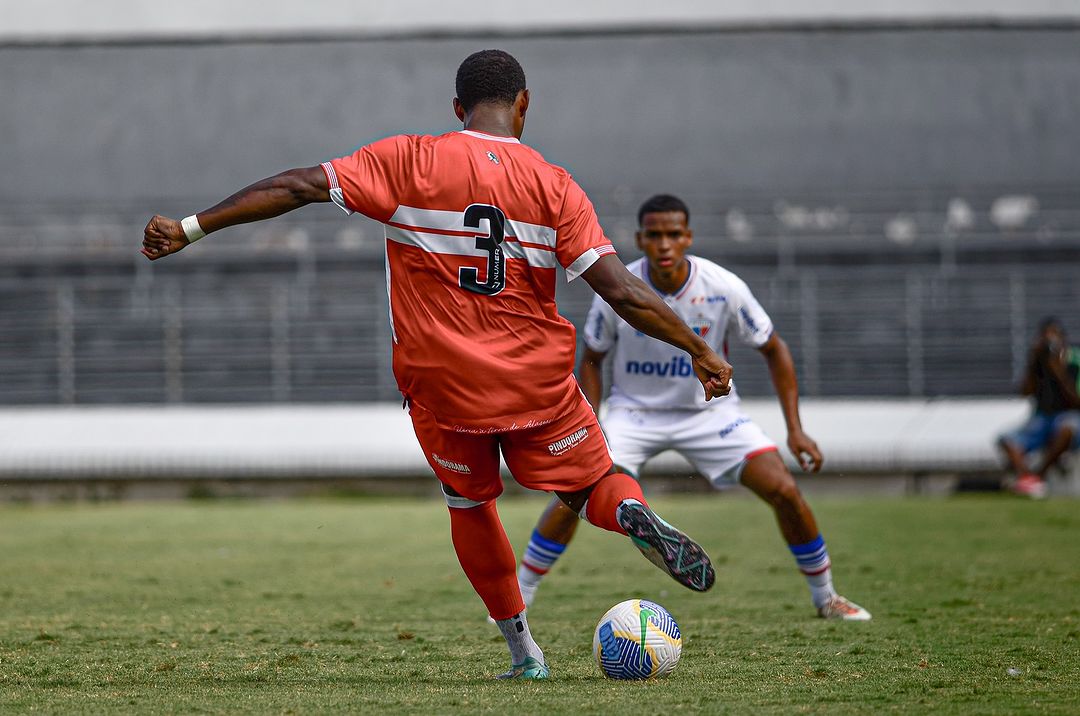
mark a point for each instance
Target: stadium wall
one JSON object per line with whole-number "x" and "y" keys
{"x": 72, "y": 19}
{"x": 376, "y": 440}
{"x": 705, "y": 113}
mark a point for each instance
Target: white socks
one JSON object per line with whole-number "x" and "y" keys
{"x": 813, "y": 561}
{"x": 516, "y": 632}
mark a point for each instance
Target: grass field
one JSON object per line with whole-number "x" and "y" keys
{"x": 358, "y": 605}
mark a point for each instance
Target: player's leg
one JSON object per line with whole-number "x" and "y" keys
{"x": 1064, "y": 433}
{"x": 615, "y": 503}
{"x": 570, "y": 457}
{"x": 630, "y": 444}
{"x": 1014, "y": 455}
{"x": 767, "y": 477}
{"x": 1033, "y": 435}
{"x": 728, "y": 447}
{"x": 468, "y": 468}
{"x": 487, "y": 558}
{"x": 553, "y": 532}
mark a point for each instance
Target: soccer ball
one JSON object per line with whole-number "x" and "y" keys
{"x": 637, "y": 639}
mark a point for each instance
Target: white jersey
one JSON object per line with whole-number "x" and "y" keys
{"x": 648, "y": 373}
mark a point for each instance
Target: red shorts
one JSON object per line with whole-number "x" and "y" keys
{"x": 565, "y": 455}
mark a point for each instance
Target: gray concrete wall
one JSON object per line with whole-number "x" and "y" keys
{"x": 836, "y": 111}
{"x": 209, "y": 18}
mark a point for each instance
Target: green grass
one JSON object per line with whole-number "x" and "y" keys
{"x": 359, "y": 605}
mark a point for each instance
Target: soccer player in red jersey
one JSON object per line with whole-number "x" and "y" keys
{"x": 476, "y": 223}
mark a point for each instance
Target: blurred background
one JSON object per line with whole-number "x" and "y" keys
{"x": 897, "y": 182}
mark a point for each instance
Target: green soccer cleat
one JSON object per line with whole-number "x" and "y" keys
{"x": 528, "y": 669}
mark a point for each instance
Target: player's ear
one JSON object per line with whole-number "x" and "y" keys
{"x": 522, "y": 102}
{"x": 638, "y": 241}
{"x": 689, "y": 238}
{"x": 459, "y": 111}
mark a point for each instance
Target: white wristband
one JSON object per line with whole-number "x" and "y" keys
{"x": 192, "y": 230}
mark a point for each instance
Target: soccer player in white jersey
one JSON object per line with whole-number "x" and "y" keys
{"x": 655, "y": 404}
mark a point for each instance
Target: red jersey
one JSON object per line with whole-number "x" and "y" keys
{"x": 475, "y": 225}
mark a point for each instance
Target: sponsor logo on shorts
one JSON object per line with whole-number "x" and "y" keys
{"x": 726, "y": 430}
{"x": 566, "y": 444}
{"x": 451, "y": 465}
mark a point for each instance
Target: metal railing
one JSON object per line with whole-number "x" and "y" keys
{"x": 307, "y": 331}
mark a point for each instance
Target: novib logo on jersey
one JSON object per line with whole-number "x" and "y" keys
{"x": 677, "y": 367}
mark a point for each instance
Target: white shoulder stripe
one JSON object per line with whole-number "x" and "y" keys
{"x": 420, "y": 219}
{"x": 429, "y": 219}
{"x": 450, "y": 245}
{"x": 533, "y": 233}
{"x": 540, "y": 258}
{"x": 435, "y": 243}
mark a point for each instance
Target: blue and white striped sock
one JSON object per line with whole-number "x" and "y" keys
{"x": 540, "y": 556}
{"x": 813, "y": 561}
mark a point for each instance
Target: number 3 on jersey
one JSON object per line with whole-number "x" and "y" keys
{"x": 496, "y": 259}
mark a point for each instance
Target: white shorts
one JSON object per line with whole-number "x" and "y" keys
{"x": 718, "y": 442}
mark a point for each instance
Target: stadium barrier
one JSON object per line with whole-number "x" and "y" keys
{"x": 904, "y": 436}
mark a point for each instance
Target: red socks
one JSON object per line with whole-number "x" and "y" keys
{"x": 609, "y": 492}
{"x": 487, "y": 558}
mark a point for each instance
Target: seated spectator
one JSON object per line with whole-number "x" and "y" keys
{"x": 1052, "y": 377}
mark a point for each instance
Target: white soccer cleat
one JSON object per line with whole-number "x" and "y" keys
{"x": 840, "y": 608}
{"x": 1031, "y": 486}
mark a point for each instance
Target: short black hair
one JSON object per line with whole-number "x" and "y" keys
{"x": 660, "y": 203}
{"x": 1051, "y": 322}
{"x": 489, "y": 76}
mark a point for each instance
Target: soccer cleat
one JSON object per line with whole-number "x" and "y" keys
{"x": 668, "y": 548}
{"x": 840, "y": 608}
{"x": 528, "y": 669}
{"x": 1031, "y": 486}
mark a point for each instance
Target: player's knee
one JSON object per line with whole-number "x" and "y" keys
{"x": 784, "y": 493}
{"x": 457, "y": 501}
{"x": 561, "y": 516}
{"x": 572, "y": 501}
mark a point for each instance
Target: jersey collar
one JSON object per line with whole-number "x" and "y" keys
{"x": 492, "y": 137}
{"x": 681, "y": 290}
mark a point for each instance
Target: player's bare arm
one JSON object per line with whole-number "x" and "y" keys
{"x": 264, "y": 199}
{"x": 1053, "y": 354}
{"x": 782, "y": 373}
{"x": 591, "y": 377}
{"x": 639, "y": 306}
